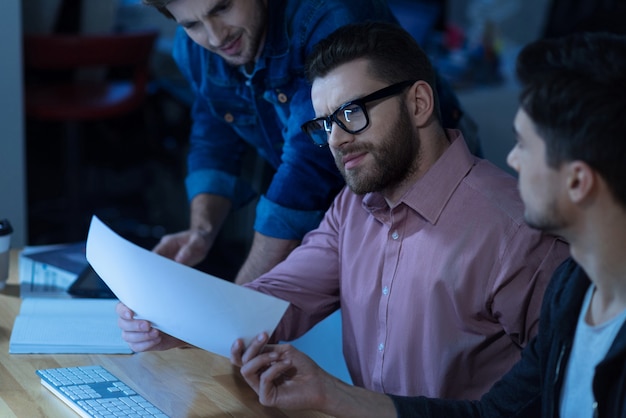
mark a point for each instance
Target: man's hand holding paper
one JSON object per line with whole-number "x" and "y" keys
{"x": 175, "y": 298}
{"x": 140, "y": 335}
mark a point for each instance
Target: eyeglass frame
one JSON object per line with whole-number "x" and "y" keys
{"x": 384, "y": 93}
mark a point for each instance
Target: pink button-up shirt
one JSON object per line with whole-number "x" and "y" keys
{"x": 437, "y": 293}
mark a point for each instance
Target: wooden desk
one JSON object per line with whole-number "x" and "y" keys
{"x": 181, "y": 382}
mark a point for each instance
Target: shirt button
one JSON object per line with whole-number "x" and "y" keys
{"x": 381, "y": 347}
{"x": 395, "y": 235}
{"x": 385, "y": 290}
{"x": 229, "y": 117}
{"x": 282, "y": 97}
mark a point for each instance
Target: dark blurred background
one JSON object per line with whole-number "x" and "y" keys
{"x": 133, "y": 167}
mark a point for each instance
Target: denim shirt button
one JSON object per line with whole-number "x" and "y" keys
{"x": 229, "y": 117}
{"x": 282, "y": 97}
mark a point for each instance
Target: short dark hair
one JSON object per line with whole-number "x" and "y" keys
{"x": 160, "y": 6}
{"x": 392, "y": 53}
{"x": 574, "y": 90}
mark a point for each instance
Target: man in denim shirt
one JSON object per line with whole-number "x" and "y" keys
{"x": 244, "y": 60}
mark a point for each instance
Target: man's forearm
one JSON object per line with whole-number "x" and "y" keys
{"x": 208, "y": 213}
{"x": 346, "y": 401}
{"x": 264, "y": 254}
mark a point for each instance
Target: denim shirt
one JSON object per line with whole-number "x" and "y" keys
{"x": 265, "y": 109}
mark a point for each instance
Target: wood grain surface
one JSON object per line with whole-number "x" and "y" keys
{"x": 181, "y": 382}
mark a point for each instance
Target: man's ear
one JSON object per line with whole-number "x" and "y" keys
{"x": 581, "y": 181}
{"x": 423, "y": 102}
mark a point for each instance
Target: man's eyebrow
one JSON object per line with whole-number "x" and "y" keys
{"x": 186, "y": 23}
{"x": 213, "y": 10}
{"x": 217, "y": 6}
{"x": 516, "y": 133}
{"x": 353, "y": 99}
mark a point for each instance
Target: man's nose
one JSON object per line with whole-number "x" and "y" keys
{"x": 216, "y": 34}
{"x": 338, "y": 137}
{"x": 511, "y": 160}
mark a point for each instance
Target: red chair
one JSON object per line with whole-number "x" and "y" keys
{"x": 75, "y": 100}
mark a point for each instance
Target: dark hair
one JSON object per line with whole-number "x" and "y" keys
{"x": 160, "y": 6}
{"x": 392, "y": 53}
{"x": 574, "y": 90}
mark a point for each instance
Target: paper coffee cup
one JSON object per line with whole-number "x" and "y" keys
{"x": 5, "y": 245}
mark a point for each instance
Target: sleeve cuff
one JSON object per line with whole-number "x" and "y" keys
{"x": 278, "y": 221}
{"x": 219, "y": 183}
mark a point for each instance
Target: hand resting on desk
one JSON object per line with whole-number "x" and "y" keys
{"x": 284, "y": 377}
{"x": 271, "y": 371}
{"x": 140, "y": 335}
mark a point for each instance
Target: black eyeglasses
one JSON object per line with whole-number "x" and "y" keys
{"x": 352, "y": 116}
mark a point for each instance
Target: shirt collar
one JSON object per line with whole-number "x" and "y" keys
{"x": 429, "y": 195}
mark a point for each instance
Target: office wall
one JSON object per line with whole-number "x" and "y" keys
{"x": 521, "y": 21}
{"x": 493, "y": 107}
{"x": 12, "y": 170}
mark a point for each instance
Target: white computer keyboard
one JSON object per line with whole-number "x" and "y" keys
{"x": 92, "y": 392}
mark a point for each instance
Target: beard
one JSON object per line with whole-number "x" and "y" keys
{"x": 396, "y": 158}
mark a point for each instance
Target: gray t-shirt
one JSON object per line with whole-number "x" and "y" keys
{"x": 591, "y": 344}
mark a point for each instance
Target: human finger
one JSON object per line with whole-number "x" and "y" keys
{"x": 255, "y": 347}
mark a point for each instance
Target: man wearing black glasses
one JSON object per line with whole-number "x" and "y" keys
{"x": 426, "y": 252}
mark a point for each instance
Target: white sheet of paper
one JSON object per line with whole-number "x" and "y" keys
{"x": 193, "y": 306}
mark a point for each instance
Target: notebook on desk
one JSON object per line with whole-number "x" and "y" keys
{"x": 67, "y": 326}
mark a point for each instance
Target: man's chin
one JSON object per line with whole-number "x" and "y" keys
{"x": 532, "y": 222}
{"x": 542, "y": 225}
{"x": 356, "y": 187}
{"x": 236, "y": 60}
{"x": 363, "y": 186}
